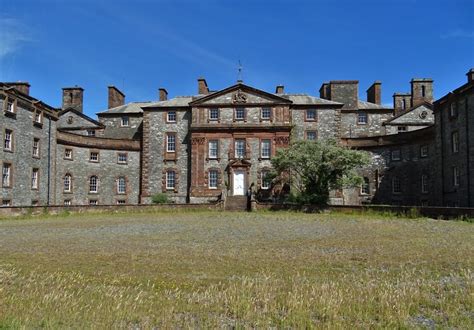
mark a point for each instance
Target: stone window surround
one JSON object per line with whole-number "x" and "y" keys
{"x": 168, "y": 113}
{"x": 210, "y": 117}
{"x": 117, "y": 185}
{"x": 38, "y": 154}
{"x": 71, "y": 186}
{"x": 424, "y": 151}
{"x": 244, "y": 119}
{"x": 126, "y": 158}
{"x": 38, "y": 118}
{"x": 424, "y": 184}
{"x": 90, "y": 132}
{"x": 311, "y": 131}
{"x": 453, "y": 110}
{"x": 91, "y": 160}
{"x": 365, "y": 186}
{"x": 455, "y": 142}
{"x": 207, "y": 178}
{"x": 93, "y": 202}
{"x": 310, "y": 118}
{"x": 263, "y": 172}
{"x": 12, "y": 140}
{"x": 10, "y": 100}
{"x": 65, "y": 154}
{"x": 90, "y": 184}
{"x": 167, "y": 144}
{"x": 261, "y": 148}
{"x": 164, "y": 181}
{"x": 217, "y": 172}
{"x": 125, "y": 121}
{"x": 170, "y": 178}
{"x": 35, "y": 180}
{"x": 270, "y": 117}
{"x": 209, "y": 149}
{"x": 10, "y": 175}
{"x": 360, "y": 115}
{"x": 245, "y": 151}
{"x": 456, "y": 176}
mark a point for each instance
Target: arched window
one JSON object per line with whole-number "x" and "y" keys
{"x": 93, "y": 184}
{"x": 67, "y": 183}
{"x": 121, "y": 185}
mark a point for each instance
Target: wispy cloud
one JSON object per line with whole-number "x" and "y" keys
{"x": 12, "y": 35}
{"x": 459, "y": 33}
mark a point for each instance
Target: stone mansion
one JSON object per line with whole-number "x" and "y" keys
{"x": 216, "y": 144}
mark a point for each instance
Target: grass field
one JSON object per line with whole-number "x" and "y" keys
{"x": 210, "y": 269}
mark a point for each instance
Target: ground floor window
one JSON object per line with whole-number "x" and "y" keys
{"x": 170, "y": 179}
{"x": 213, "y": 179}
{"x": 365, "y": 189}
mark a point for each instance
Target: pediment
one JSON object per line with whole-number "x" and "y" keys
{"x": 239, "y": 94}
{"x": 72, "y": 118}
{"x": 421, "y": 114}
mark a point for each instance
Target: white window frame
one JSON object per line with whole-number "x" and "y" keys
{"x": 365, "y": 187}
{"x": 213, "y": 146}
{"x": 122, "y": 161}
{"x": 125, "y": 121}
{"x": 170, "y": 142}
{"x": 240, "y": 152}
{"x": 10, "y": 105}
{"x": 36, "y": 147}
{"x": 213, "y": 179}
{"x": 38, "y": 117}
{"x": 8, "y": 140}
{"x": 313, "y": 116}
{"x": 265, "y": 148}
{"x": 92, "y": 158}
{"x": 121, "y": 185}
{"x": 6, "y": 175}
{"x": 67, "y": 202}
{"x": 170, "y": 180}
{"x": 94, "y": 185}
{"x": 239, "y": 110}
{"x": 35, "y": 178}
{"x": 214, "y": 111}
{"x": 67, "y": 183}
{"x": 265, "y": 184}
{"x": 266, "y": 110}
{"x": 362, "y": 115}
{"x": 171, "y": 116}
{"x": 93, "y": 202}
{"x": 66, "y": 151}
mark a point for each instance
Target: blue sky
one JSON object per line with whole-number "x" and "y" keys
{"x": 142, "y": 45}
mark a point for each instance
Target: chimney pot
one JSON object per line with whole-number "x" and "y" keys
{"x": 202, "y": 87}
{"x": 470, "y": 75}
{"x": 324, "y": 91}
{"x": 116, "y": 97}
{"x": 163, "y": 94}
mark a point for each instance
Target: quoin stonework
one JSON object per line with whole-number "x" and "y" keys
{"x": 215, "y": 145}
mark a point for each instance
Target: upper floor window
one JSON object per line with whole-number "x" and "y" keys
{"x": 396, "y": 185}
{"x": 239, "y": 113}
{"x": 93, "y": 184}
{"x": 68, "y": 153}
{"x": 170, "y": 142}
{"x": 121, "y": 185}
{"x": 213, "y": 148}
{"x": 38, "y": 117}
{"x": 365, "y": 188}
{"x": 396, "y": 154}
{"x": 125, "y": 121}
{"x": 265, "y": 179}
{"x": 402, "y": 128}
{"x": 213, "y": 179}
{"x": 424, "y": 183}
{"x": 36, "y": 147}
{"x": 311, "y": 135}
{"x": 94, "y": 156}
{"x": 455, "y": 142}
{"x": 214, "y": 114}
{"x": 6, "y": 175}
{"x": 266, "y": 148}
{"x": 34, "y": 178}
{"x": 266, "y": 113}
{"x": 67, "y": 183}
{"x": 10, "y": 105}
{"x": 170, "y": 179}
{"x": 240, "y": 148}
{"x": 90, "y": 132}
{"x": 311, "y": 115}
{"x": 122, "y": 158}
{"x": 8, "y": 140}
{"x": 362, "y": 118}
{"x": 424, "y": 151}
{"x": 456, "y": 176}
{"x": 171, "y": 117}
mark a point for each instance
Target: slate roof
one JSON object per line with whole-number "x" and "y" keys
{"x": 178, "y": 101}
{"x": 133, "y": 107}
{"x": 305, "y": 99}
{"x": 364, "y": 105}
{"x": 132, "y": 133}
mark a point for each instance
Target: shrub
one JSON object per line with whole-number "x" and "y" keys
{"x": 160, "y": 198}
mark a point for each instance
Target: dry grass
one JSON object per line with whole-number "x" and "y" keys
{"x": 210, "y": 269}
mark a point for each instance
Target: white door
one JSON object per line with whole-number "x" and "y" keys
{"x": 239, "y": 186}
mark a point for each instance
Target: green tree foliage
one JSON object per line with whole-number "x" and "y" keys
{"x": 313, "y": 168}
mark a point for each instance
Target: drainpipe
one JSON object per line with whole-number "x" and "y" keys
{"x": 49, "y": 161}
{"x": 468, "y": 157}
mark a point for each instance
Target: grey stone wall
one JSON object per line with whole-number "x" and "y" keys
{"x": 21, "y": 158}
{"x": 326, "y": 124}
{"x": 351, "y": 129}
{"x": 107, "y": 170}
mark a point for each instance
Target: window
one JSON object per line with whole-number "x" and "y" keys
{"x": 266, "y": 113}
{"x": 239, "y": 114}
{"x": 67, "y": 183}
{"x": 6, "y": 175}
{"x": 456, "y": 176}
{"x": 213, "y": 149}
{"x": 67, "y": 202}
{"x": 424, "y": 183}
{"x": 265, "y": 147}
{"x": 170, "y": 143}
{"x": 266, "y": 182}
{"x": 396, "y": 185}
{"x": 171, "y": 117}
{"x": 36, "y": 147}
{"x": 214, "y": 114}
{"x": 170, "y": 179}
{"x": 121, "y": 202}
{"x": 125, "y": 121}
{"x": 6, "y": 203}
{"x": 311, "y": 115}
{"x": 35, "y": 203}
{"x": 396, "y": 154}
{"x": 311, "y": 135}
{"x": 122, "y": 158}
{"x": 121, "y": 185}
{"x": 365, "y": 188}
{"x": 213, "y": 179}
{"x": 455, "y": 142}
{"x": 93, "y": 184}
{"x": 68, "y": 153}
{"x": 90, "y": 132}
{"x": 362, "y": 118}
{"x": 10, "y": 106}
{"x": 93, "y": 202}
{"x": 453, "y": 110}
{"x": 240, "y": 148}
{"x": 8, "y": 140}
{"x": 34, "y": 178}
{"x": 424, "y": 151}
{"x": 402, "y": 128}
{"x": 94, "y": 156}
{"x": 38, "y": 117}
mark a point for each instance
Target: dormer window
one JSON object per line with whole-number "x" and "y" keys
{"x": 125, "y": 121}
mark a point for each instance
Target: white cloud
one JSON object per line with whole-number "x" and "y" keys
{"x": 12, "y": 35}
{"x": 457, "y": 34}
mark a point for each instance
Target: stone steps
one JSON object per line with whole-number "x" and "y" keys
{"x": 236, "y": 203}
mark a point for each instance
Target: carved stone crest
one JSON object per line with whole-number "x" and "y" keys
{"x": 198, "y": 141}
{"x": 70, "y": 120}
{"x": 239, "y": 97}
{"x": 423, "y": 114}
{"x": 282, "y": 140}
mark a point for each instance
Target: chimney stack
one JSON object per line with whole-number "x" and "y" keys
{"x": 421, "y": 91}
{"x": 280, "y": 89}
{"x": 116, "y": 97}
{"x": 324, "y": 91}
{"x": 163, "y": 94}
{"x": 72, "y": 98}
{"x": 345, "y": 91}
{"x": 20, "y": 86}
{"x": 401, "y": 102}
{"x": 202, "y": 87}
{"x": 374, "y": 93}
{"x": 470, "y": 75}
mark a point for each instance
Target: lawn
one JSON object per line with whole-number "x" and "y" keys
{"x": 212, "y": 269}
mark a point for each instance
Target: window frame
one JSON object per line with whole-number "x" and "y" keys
{"x": 91, "y": 132}
{"x": 127, "y": 123}
{"x": 35, "y": 178}
{"x": 173, "y": 143}
{"x": 262, "y": 142}
{"x": 96, "y": 184}
{"x": 455, "y": 142}
{"x": 424, "y": 184}
{"x": 396, "y": 182}
{"x": 244, "y": 114}
{"x": 236, "y": 149}
{"x": 38, "y": 117}
{"x": 9, "y": 183}
{"x": 265, "y": 184}
{"x": 365, "y": 186}
{"x": 168, "y": 113}
{"x": 393, "y": 153}
{"x": 270, "y": 113}
{"x": 65, "y": 153}
{"x": 213, "y": 179}
{"x": 8, "y": 101}
{"x": 424, "y": 154}
{"x": 69, "y": 190}
{"x": 37, "y": 148}
{"x": 122, "y": 162}
{"x": 312, "y": 118}
{"x": 362, "y": 114}
{"x": 216, "y": 149}
{"x": 210, "y": 112}
{"x": 307, "y": 133}
{"x": 8, "y": 132}
{"x": 456, "y": 176}
{"x": 94, "y": 160}
{"x": 170, "y": 178}
{"x": 121, "y": 185}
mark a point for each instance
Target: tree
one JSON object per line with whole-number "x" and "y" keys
{"x": 313, "y": 168}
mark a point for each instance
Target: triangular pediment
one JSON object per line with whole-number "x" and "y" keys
{"x": 71, "y": 118}
{"x": 239, "y": 94}
{"x": 421, "y": 114}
